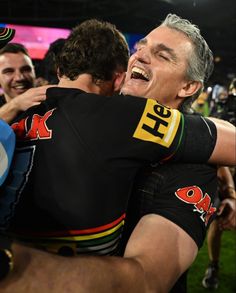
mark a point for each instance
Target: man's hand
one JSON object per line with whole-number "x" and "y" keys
{"x": 227, "y": 214}
{"x": 31, "y": 97}
{"x": 21, "y": 103}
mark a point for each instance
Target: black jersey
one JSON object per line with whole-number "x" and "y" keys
{"x": 185, "y": 194}
{"x": 76, "y": 158}
{"x": 182, "y": 193}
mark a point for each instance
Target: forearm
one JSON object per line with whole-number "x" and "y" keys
{"x": 227, "y": 186}
{"x": 229, "y": 192}
{"x": 36, "y": 271}
{"x": 145, "y": 268}
{"x": 21, "y": 103}
{"x": 227, "y": 209}
{"x": 8, "y": 112}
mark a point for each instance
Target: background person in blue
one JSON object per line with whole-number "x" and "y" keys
{"x": 7, "y": 137}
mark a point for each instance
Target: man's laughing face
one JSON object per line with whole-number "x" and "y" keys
{"x": 16, "y": 74}
{"x": 157, "y": 70}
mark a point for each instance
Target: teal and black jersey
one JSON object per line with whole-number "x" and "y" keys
{"x": 76, "y": 159}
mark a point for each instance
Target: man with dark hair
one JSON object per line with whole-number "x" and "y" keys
{"x": 17, "y": 78}
{"x": 16, "y": 71}
{"x": 17, "y": 81}
{"x": 47, "y": 71}
{"x": 92, "y": 75}
{"x": 108, "y": 175}
{"x": 99, "y": 64}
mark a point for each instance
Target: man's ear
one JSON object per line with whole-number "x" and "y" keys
{"x": 119, "y": 80}
{"x": 189, "y": 89}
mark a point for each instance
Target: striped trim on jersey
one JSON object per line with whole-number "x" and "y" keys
{"x": 102, "y": 240}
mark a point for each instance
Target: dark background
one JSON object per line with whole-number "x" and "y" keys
{"x": 215, "y": 18}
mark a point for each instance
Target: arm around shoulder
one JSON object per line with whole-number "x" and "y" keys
{"x": 37, "y": 271}
{"x": 145, "y": 267}
{"x": 224, "y": 152}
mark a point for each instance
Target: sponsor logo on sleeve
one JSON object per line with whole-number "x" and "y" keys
{"x": 158, "y": 124}
{"x": 38, "y": 127}
{"x": 201, "y": 202}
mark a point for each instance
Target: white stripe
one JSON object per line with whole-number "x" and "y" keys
{"x": 209, "y": 129}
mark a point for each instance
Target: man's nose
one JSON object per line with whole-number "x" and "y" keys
{"x": 18, "y": 75}
{"x": 142, "y": 55}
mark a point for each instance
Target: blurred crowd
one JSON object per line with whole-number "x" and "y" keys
{"x": 218, "y": 101}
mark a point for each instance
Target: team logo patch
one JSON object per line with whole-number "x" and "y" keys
{"x": 201, "y": 202}
{"x": 158, "y": 124}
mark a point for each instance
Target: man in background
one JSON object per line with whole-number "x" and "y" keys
{"x": 17, "y": 73}
{"x": 17, "y": 81}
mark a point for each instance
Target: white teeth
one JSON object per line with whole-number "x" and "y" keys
{"x": 140, "y": 71}
{"x": 19, "y": 87}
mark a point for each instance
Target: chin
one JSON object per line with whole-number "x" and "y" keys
{"x": 19, "y": 92}
{"x": 127, "y": 91}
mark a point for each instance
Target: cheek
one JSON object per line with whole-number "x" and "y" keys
{"x": 130, "y": 62}
{"x": 29, "y": 76}
{"x": 155, "y": 84}
{"x": 4, "y": 80}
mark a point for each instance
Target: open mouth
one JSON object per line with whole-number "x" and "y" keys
{"x": 19, "y": 87}
{"x": 138, "y": 73}
{"x": 22, "y": 86}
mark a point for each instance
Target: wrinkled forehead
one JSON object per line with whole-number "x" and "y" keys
{"x": 169, "y": 38}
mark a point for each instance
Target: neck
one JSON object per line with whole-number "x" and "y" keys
{"x": 173, "y": 103}
{"x": 83, "y": 82}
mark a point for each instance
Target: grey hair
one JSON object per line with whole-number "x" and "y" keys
{"x": 200, "y": 62}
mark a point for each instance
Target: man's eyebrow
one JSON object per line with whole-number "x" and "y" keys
{"x": 141, "y": 42}
{"x": 6, "y": 69}
{"x": 159, "y": 47}
{"x": 163, "y": 47}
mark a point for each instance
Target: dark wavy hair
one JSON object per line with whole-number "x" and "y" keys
{"x": 14, "y": 48}
{"x": 94, "y": 47}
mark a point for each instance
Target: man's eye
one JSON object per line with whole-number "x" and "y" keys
{"x": 163, "y": 57}
{"x": 7, "y": 71}
{"x": 26, "y": 69}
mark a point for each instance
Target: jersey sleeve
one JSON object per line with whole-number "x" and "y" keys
{"x": 198, "y": 141}
{"x": 140, "y": 129}
{"x": 7, "y": 145}
{"x": 125, "y": 127}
